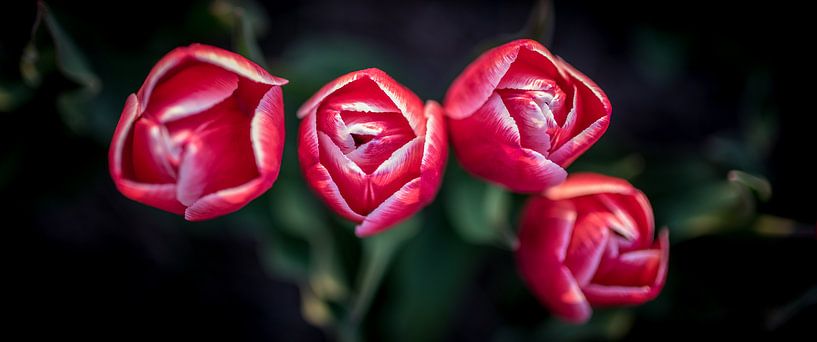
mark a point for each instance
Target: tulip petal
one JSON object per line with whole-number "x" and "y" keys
{"x": 152, "y": 153}
{"x": 316, "y": 174}
{"x": 544, "y": 238}
{"x": 386, "y": 132}
{"x": 435, "y": 152}
{"x": 406, "y": 102}
{"x": 400, "y": 168}
{"x": 495, "y": 153}
{"x": 530, "y": 122}
{"x": 218, "y": 156}
{"x": 234, "y": 63}
{"x": 583, "y": 184}
{"x": 587, "y": 246}
{"x": 639, "y": 265}
{"x": 267, "y": 133}
{"x": 351, "y": 181}
{"x": 593, "y": 111}
{"x": 399, "y": 206}
{"x": 189, "y": 91}
{"x": 162, "y": 196}
{"x": 226, "y": 201}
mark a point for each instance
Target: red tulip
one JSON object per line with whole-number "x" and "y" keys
{"x": 589, "y": 242}
{"x": 203, "y": 136}
{"x": 371, "y": 150}
{"x": 520, "y": 115}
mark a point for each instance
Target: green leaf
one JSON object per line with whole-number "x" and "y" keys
{"x": 479, "y": 211}
{"x": 64, "y": 56}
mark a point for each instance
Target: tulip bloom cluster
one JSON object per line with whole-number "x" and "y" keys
{"x": 204, "y": 136}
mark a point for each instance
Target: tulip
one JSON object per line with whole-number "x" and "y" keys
{"x": 589, "y": 243}
{"x": 519, "y": 116}
{"x": 202, "y": 137}
{"x": 371, "y": 150}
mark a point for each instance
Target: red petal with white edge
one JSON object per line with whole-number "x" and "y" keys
{"x": 161, "y": 196}
{"x": 530, "y": 122}
{"x": 435, "y": 152}
{"x": 226, "y": 201}
{"x": 208, "y": 54}
{"x": 267, "y": 132}
{"x": 316, "y": 174}
{"x": 487, "y": 145}
{"x": 401, "y": 167}
{"x": 593, "y": 111}
{"x": 192, "y": 89}
{"x": 218, "y": 156}
{"x": 407, "y": 102}
{"x": 152, "y": 153}
{"x": 543, "y": 241}
{"x": 476, "y": 83}
{"x": 361, "y": 95}
{"x": 606, "y": 295}
{"x": 235, "y": 63}
{"x": 589, "y": 241}
{"x": 402, "y": 204}
{"x": 583, "y": 184}
{"x": 349, "y": 178}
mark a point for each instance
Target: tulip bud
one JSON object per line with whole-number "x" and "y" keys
{"x": 519, "y": 116}
{"x": 203, "y": 136}
{"x": 371, "y": 150}
{"x": 589, "y": 243}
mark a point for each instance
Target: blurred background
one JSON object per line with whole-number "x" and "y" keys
{"x": 709, "y": 121}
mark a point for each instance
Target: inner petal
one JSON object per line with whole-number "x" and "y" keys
{"x": 195, "y": 87}
{"x": 376, "y": 137}
{"x": 218, "y": 152}
{"x": 533, "y": 126}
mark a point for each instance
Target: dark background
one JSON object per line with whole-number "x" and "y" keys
{"x": 697, "y": 90}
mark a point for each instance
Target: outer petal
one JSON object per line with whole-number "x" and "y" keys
{"x": 316, "y": 174}
{"x": 402, "y": 204}
{"x": 583, "y": 184}
{"x": 161, "y": 196}
{"x": 435, "y": 152}
{"x": 226, "y": 201}
{"x": 543, "y": 241}
{"x": 476, "y": 83}
{"x": 267, "y": 133}
{"x": 593, "y": 110}
{"x": 407, "y": 102}
{"x": 487, "y": 144}
{"x": 208, "y": 54}
{"x": 604, "y": 295}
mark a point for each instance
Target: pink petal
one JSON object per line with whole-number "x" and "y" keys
{"x": 190, "y": 90}
{"x": 390, "y": 132}
{"x": 592, "y": 109}
{"x": 402, "y": 204}
{"x": 267, "y": 133}
{"x": 487, "y": 144}
{"x": 351, "y": 181}
{"x": 233, "y": 62}
{"x": 162, "y": 196}
{"x": 316, "y": 174}
{"x": 152, "y": 154}
{"x": 477, "y": 82}
{"x": 530, "y": 121}
{"x": 435, "y": 152}
{"x": 546, "y": 227}
{"x": 407, "y": 102}
{"x": 400, "y": 168}
{"x": 360, "y": 95}
{"x": 203, "y": 53}
{"x": 218, "y": 156}
{"x": 587, "y": 246}
{"x": 583, "y": 184}
{"x": 605, "y": 295}
{"x": 226, "y": 201}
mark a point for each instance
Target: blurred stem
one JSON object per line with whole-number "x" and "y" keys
{"x": 497, "y": 205}
{"x": 378, "y": 252}
{"x": 540, "y": 23}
